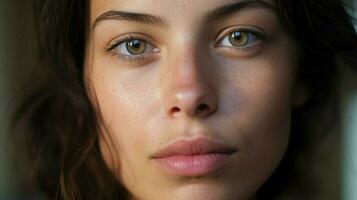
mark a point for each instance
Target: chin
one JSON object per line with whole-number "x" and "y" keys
{"x": 209, "y": 191}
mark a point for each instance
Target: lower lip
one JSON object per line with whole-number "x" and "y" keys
{"x": 192, "y": 165}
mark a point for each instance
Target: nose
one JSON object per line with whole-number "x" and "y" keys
{"x": 186, "y": 88}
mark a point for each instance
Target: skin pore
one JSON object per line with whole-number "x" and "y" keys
{"x": 215, "y": 69}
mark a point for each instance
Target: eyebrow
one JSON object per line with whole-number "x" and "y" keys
{"x": 129, "y": 16}
{"x": 230, "y": 9}
{"x": 212, "y": 15}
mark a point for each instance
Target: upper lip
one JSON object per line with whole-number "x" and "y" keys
{"x": 194, "y": 147}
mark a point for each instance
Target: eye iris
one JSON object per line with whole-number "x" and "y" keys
{"x": 135, "y": 46}
{"x": 239, "y": 38}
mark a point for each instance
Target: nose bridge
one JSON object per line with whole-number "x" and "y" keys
{"x": 186, "y": 89}
{"x": 186, "y": 68}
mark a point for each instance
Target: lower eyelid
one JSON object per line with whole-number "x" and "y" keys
{"x": 142, "y": 59}
{"x": 241, "y": 51}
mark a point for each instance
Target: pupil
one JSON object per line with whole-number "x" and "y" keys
{"x": 237, "y": 35}
{"x": 135, "y": 44}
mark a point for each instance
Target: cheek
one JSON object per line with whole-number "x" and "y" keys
{"x": 257, "y": 115}
{"x": 122, "y": 109}
{"x": 267, "y": 121}
{"x": 265, "y": 139}
{"x": 125, "y": 106}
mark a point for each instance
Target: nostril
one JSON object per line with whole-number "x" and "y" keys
{"x": 176, "y": 109}
{"x": 203, "y": 107}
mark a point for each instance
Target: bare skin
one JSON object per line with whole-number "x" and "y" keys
{"x": 192, "y": 74}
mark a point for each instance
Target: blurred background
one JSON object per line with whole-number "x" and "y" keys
{"x": 339, "y": 170}
{"x": 16, "y": 50}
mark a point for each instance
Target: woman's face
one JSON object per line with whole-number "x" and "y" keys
{"x": 195, "y": 96}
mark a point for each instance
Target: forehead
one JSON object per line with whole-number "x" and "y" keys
{"x": 168, "y": 9}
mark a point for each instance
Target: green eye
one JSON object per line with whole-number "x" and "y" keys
{"x": 239, "y": 39}
{"x": 135, "y": 46}
{"x": 132, "y": 47}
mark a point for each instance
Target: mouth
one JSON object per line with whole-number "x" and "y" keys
{"x": 193, "y": 158}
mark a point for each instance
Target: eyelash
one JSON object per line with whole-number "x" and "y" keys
{"x": 142, "y": 57}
